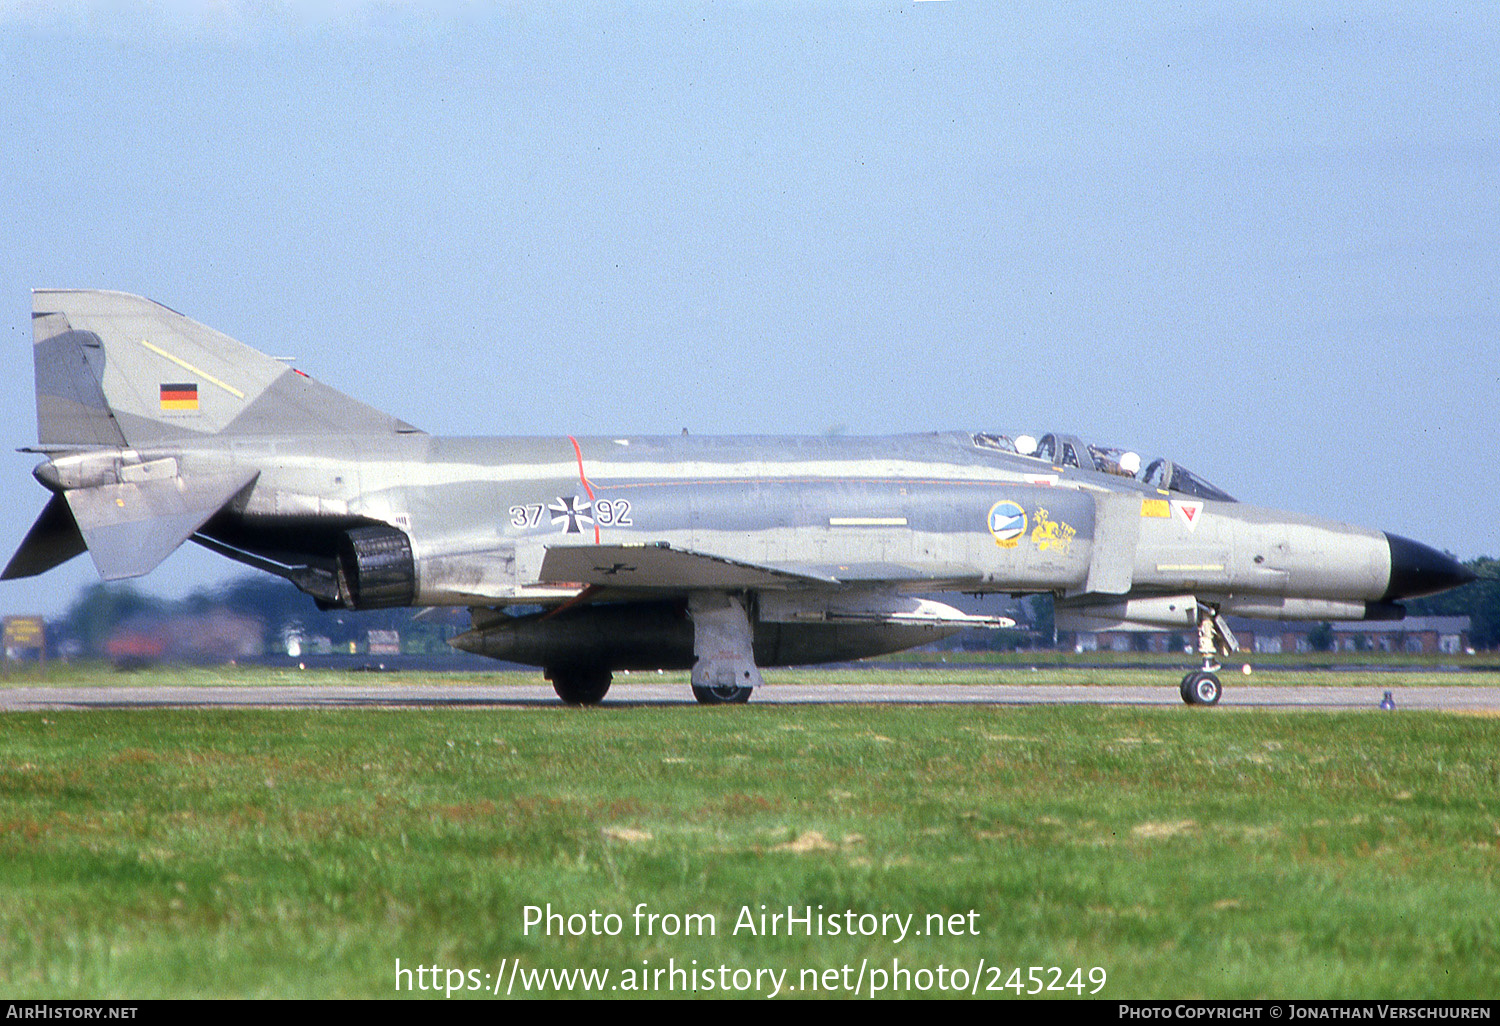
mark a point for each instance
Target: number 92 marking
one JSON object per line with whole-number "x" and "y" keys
{"x": 613, "y": 513}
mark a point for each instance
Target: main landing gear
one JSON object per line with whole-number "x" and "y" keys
{"x": 580, "y": 685}
{"x": 1202, "y": 687}
{"x": 724, "y": 670}
{"x": 721, "y": 694}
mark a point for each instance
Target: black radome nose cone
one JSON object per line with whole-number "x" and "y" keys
{"x": 1418, "y": 570}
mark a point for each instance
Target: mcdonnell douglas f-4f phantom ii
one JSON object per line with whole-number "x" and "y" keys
{"x": 722, "y": 555}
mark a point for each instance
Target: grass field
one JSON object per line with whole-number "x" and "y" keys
{"x": 1186, "y": 853}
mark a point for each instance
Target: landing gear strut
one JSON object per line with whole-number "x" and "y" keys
{"x": 1202, "y": 687}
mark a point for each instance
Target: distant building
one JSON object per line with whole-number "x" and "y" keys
{"x": 1428, "y": 635}
{"x": 217, "y": 636}
{"x": 1127, "y": 641}
{"x": 296, "y": 642}
{"x": 384, "y": 642}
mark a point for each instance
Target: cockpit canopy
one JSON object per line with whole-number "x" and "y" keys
{"x": 1173, "y": 477}
{"x": 1068, "y": 451}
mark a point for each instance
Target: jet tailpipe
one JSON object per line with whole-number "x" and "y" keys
{"x": 375, "y": 568}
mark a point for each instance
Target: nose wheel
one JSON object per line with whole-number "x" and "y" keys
{"x": 1201, "y": 687}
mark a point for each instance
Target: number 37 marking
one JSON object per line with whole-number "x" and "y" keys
{"x": 526, "y": 516}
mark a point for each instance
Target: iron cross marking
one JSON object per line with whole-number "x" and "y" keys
{"x": 567, "y": 509}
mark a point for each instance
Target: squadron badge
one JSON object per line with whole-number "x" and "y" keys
{"x": 1007, "y": 523}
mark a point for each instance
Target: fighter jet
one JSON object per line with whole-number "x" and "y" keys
{"x": 591, "y": 555}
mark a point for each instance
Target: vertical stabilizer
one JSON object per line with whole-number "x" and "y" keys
{"x": 115, "y": 369}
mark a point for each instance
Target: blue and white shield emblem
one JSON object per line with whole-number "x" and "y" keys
{"x": 1007, "y": 523}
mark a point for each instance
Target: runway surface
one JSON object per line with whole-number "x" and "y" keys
{"x": 1454, "y": 698}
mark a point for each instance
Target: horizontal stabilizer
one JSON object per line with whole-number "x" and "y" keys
{"x": 131, "y": 527}
{"x": 658, "y": 566}
{"x": 52, "y": 541}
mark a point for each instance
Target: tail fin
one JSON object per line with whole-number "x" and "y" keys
{"x": 114, "y": 369}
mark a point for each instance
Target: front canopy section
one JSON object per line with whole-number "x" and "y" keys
{"x": 1173, "y": 477}
{"x": 1069, "y": 451}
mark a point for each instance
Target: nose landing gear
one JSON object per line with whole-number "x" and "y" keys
{"x": 1202, "y": 687}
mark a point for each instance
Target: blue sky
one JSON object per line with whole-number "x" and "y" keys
{"x": 1261, "y": 239}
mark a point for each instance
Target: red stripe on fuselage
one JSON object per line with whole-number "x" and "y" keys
{"x": 586, "y": 486}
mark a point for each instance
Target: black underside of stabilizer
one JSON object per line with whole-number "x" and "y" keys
{"x": 53, "y": 540}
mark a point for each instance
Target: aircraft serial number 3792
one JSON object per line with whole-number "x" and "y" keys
{"x": 722, "y": 555}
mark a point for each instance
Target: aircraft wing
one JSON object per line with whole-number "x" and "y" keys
{"x": 658, "y": 566}
{"x": 859, "y": 594}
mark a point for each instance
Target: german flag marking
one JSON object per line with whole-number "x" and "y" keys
{"x": 179, "y": 396}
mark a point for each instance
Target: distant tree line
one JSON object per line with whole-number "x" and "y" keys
{"x": 1478, "y": 600}
{"x": 102, "y": 609}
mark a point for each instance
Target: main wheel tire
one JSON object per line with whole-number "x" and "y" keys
{"x": 1201, "y": 688}
{"x": 723, "y": 694}
{"x": 576, "y": 685}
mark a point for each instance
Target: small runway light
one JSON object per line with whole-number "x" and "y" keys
{"x": 1388, "y": 703}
